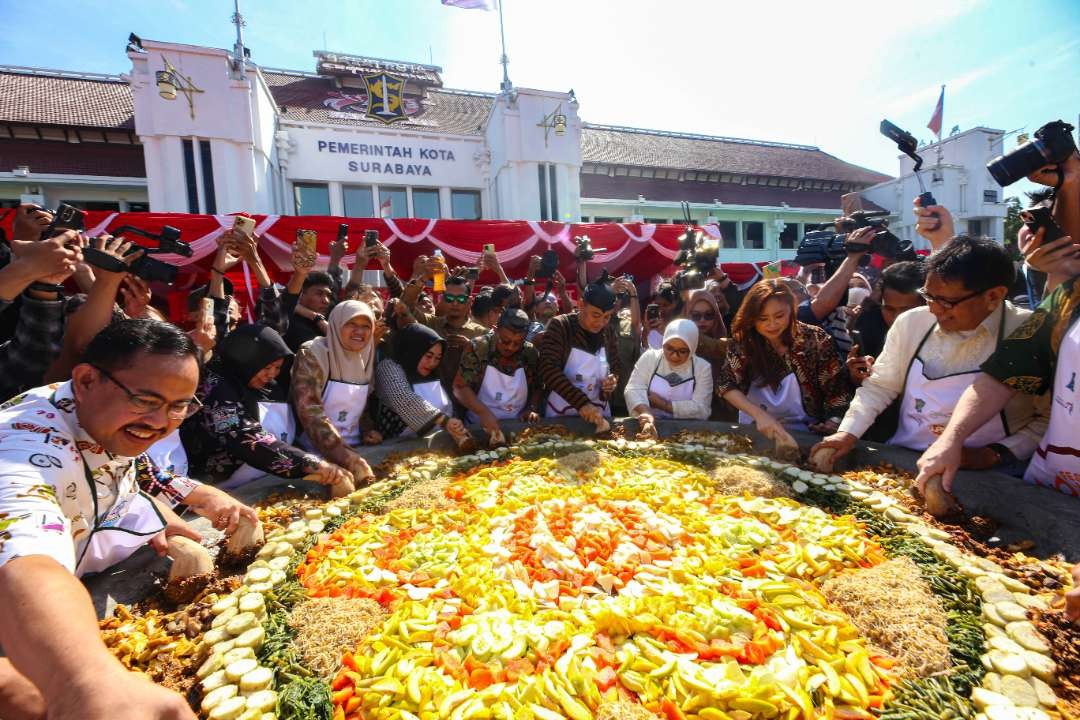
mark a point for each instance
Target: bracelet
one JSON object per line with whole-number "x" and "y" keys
{"x": 219, "y": 272}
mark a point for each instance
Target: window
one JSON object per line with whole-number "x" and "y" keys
{"x": 729, "y": 233}
{"x": 465, "y": 204}
{"x": 189, "y": 176}
{"x": 990, "y": 196}
{"x": 541, "y": 178}
{"x": 553, "y": 192}
{"x": 975, "y": 227}
{"x": 209, "y": 197}
{"x": 93, "y": 205}
{"x": 657, "y": 221}
{"x": 359, "y": 201}
{"x": 311, "y": 198}
{"x": 789, "y": 238}
{"x": 425, "y": 203}
{"x": 393, "y": 202}
{"x": 138, "y": 207}
{"x": 601, "y": 219}
{"x": 754, "y": 235}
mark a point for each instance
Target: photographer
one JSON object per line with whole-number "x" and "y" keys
{"x": 827, "y": 309}
{"x": 452, "y": 313}
{"x": 933, "y": 354}
{"x": 579, "y": 358}
{"x": 497, "y": 377}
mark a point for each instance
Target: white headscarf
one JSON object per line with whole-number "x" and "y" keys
{"x": 336, "y": 362}
{"x": 684, "y": 330}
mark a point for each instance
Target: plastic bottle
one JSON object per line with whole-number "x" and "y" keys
{"x": 439, "y": 277}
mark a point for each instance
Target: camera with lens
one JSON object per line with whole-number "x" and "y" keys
{"x": 697, "y": 258}
{"x": 583, "y": 250}
{"x": 830, "y": 248}
{"x": 1039, "y": 216}
{"x": 1053, "y": 144}
{"x": 146, "y": 267}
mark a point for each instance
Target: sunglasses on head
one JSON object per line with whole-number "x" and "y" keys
{"x": 463, "y": 299}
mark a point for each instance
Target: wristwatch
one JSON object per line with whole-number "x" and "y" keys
{"x": 1004, "y": 455}
{"x": 316, "y": 317}
{"x": 38, "y": 286}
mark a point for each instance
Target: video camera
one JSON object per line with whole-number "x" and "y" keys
{"x": 830, "y": 248}
{"x": 697, "y": 255}
{"x": 1053, "y": 144}
{"x": 583, "y": 250}
{"x": 146, "y": 267}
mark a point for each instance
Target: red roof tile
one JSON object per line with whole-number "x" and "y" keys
{"x": 652, "y": 148}
{"x": 39, "y": 98}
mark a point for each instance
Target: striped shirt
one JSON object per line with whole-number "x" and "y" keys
{"x": 564, "y": 333}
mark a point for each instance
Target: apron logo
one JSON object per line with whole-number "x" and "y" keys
{"x": 919, "y": 405}
{"x": 1071, "y": 387}
{"x": 498, "y": 396}
{"x": 343, "y": 416}
{"x": 45, "y": 461}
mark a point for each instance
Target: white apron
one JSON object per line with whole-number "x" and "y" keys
{"x": 784, "y": 404}
{"x": 655, "y": 339}
{"x": 504, "y": 395}
{"x": 680, "y": 391}
{"x": 586, "y": 372}
{"x": 168, "y": 454}
{"x": 927, "y": 404}
{"x": 1056, "y": 462}
{"x": 434, "y": 393}
{"x": 343, "y": 404}
{"x": 276, "y": 419}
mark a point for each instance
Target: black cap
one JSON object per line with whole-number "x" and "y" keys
{"x": 600, "y": 296}
{"x": 515, "y": 319}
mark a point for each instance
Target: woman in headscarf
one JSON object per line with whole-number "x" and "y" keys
{"x": 782, "y": 374}
{"x": 244, "y": 429}
{"x": 331, "y": 385}
{"x": 703, "y": 309}
{"x": 412, "y": 399}
{"x": 672, "y": 381}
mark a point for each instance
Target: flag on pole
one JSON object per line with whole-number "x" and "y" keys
{"x": 471, "y": 4}
{"x": 939, "y": 111}
{"x": 386, "y": 208}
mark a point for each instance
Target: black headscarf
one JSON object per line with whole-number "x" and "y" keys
{"x": 243, "y": 354}
{"x": 410, "y": 344}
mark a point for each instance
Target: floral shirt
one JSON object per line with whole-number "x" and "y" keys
{"x": 224, "y": 435}
{"x": 826, "y": 390}
{"x": 1027, "y": 359}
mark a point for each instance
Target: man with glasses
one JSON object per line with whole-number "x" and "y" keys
{"x": 933, "y": 353}
{"x": 452, "y": 314}
{"x": 70, "y": 504}
{"x": 497, "y": 378}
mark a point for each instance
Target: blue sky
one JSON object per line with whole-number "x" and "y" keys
{"x": 821, "y": 73}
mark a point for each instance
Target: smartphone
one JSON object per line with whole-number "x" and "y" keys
{"x": 1041, "y": 217}
{"x": 472, "y": 273}
{"x": 549, "y": 263}
{"x": 307, "y": 239}
{"x": 343, "y": 233}
{"x": 489, "y": 248}
{"x": 856, "y": 338}
{"x": 371, "y": 238}
{"x": 243, "y": 225}
{"x": 817, "y": 275}
{"x": 206, "y": 312}
{"x": 65, "y": 218}
{"x": 652, "y": 311}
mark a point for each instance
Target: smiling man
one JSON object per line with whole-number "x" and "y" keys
{"x": 70, "y": 505}
{"x": 933, "y": 353}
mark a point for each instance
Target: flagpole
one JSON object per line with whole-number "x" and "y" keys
{"x": 939, "y": 140}
{"x": 506, "y": 86}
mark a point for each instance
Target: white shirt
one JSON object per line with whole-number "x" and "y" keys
{"x": 944, "y": 353}
{"x": 637, "y": 387}
{"x": 49, "y": 503}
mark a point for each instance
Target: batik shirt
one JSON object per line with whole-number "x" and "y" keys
{"x": 57, "y": 484}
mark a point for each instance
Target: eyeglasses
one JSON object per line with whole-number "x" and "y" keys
{"x": 146, "y": 404}
{"x": 707, "y": 316}
{"x": 677, "y": 352}
{"x": 947, "y": 304}
{"x": 463, "y": 299}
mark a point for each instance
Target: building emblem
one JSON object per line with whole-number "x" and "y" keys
{"x": 343, "y": 104}
{"x": 386, "y": 97}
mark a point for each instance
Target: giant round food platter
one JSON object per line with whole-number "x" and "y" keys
{"x": 569, "y": 577}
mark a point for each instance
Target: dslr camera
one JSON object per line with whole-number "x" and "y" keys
{"x": 830, "y": 248}
{"x": 146, "y": 267}
{"x": 1053, "y": 144}
{"x": 696, "y": 258}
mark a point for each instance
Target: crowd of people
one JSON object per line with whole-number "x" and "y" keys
{"x": 119, "y": 420}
